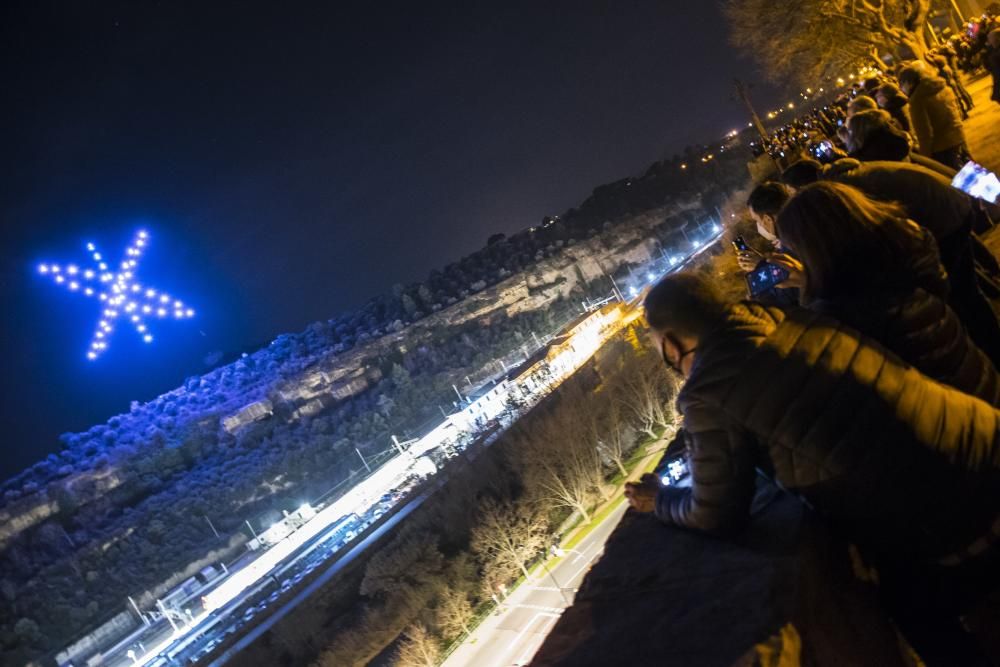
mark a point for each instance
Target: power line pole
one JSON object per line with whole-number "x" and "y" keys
{"x": 367, "y": 467}
{"x": 251, "y": 528}
{"x": 741, "y": 90}
{"x": 213, "y": 527}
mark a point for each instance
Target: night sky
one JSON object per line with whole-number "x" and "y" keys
{"x": 290, "y": 160}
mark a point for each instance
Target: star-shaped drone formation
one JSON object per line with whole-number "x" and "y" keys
{"x": 121, "y": 296}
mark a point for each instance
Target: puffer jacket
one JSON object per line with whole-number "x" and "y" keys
{"x": 908, "y": 314}
{"x": 934, "y": 117}
{"x": 901, "y": 464}
{"x": 927, "y": 196}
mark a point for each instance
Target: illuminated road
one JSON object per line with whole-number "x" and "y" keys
{"x": 268, "y": 583}
{"x": 514, "y": 635}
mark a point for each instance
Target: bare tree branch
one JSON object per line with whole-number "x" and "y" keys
{"x": 419, "y": 648}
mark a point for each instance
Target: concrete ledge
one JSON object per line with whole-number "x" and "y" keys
{"x": 665, "y": 596}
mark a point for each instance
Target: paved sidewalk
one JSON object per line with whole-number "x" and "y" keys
{"x": 982, "y": 130}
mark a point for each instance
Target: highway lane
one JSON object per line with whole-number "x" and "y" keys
{"x": 512, "y": 636}
{"x": 325, "y": 577}
{"x": 544, "y": 603}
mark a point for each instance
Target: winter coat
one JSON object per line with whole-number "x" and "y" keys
{"x": 903, "y": 465}
{"x": 886, "y": 144}
{"x": 927, "y": 196}
{"x": 934, "y": 117}
{"x": 908, "y": 314}
{"x": 991, "y": 60}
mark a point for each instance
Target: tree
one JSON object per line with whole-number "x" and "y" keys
{"x": 644, "y": 388}
{"x": 27, "y": 631}
{"x": 407, "y": 567}
{"x": 453, "y": 612}
{"x": 409, "y": 305}
{"x": 805, "y": 40}
{"x": 558, "y": 458}
{"x": 615, "y": 437}
{"x": 419, "y": 648}
{"x": 509, "y": 535}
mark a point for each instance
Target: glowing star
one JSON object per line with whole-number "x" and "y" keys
{"x": 111, "y": 288}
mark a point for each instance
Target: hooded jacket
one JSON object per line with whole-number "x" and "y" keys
{"x": 934, "y": 117}
{"x": 904, "y": 466}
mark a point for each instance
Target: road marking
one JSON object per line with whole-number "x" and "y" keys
{"x": 551, "y": 610}
{"x": 513, "y": 644}
{"x": 583, "y": 554}
{"x": 529, "y": 652}
{"x": 585, "y": 566}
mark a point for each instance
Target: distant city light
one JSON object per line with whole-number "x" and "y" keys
{"x": 715, "y": 228}
{"x": 695, "y": 244}
{"x": 122, "y": 283}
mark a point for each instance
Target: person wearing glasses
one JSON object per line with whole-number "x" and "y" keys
{"x": 903, "y": 466}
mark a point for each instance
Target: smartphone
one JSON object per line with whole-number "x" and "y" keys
{"x": 976, "y": 180}
{"x": 740, "y": 244}
{"x": 764, "y": 277}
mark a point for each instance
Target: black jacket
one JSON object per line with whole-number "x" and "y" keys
{"x": 947, "y": 213}
{"x": 928, "y": 197}
{"x": 902, "y": 464}
{"x": 908, "y": 314}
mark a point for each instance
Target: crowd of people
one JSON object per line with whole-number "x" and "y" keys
{"x": 867, "y": 381}
{"x": 922, "y": 108}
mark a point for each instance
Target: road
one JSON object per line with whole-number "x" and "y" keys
{"x": 512, "y": 636}
{"x": 252, "y": 586}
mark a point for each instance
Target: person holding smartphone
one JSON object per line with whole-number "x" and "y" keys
{"x": 764, "y": 203}
{"x": 902, "y": 465}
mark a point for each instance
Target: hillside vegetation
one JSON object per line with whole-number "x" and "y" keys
{"x": 125, "y": 508}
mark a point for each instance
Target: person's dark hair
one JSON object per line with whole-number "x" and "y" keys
{"x": 848, "y": 242}
{"x": 871, "y": 84}
{"x": 802, "y": 173}
{"x": 768, "y": 198}
{"x": 875, "y": 126}
{"x": 861, "y": 103}
{"x": 891, "y": 92}
{"x": 686, "y": 304}
{"x": 909, "y": 75}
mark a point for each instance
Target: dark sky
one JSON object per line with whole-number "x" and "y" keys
{"x": 292, "y": 159}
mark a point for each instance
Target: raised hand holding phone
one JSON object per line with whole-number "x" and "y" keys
{"x": 746, "y": 257}
{"x": 796, "y": 270}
